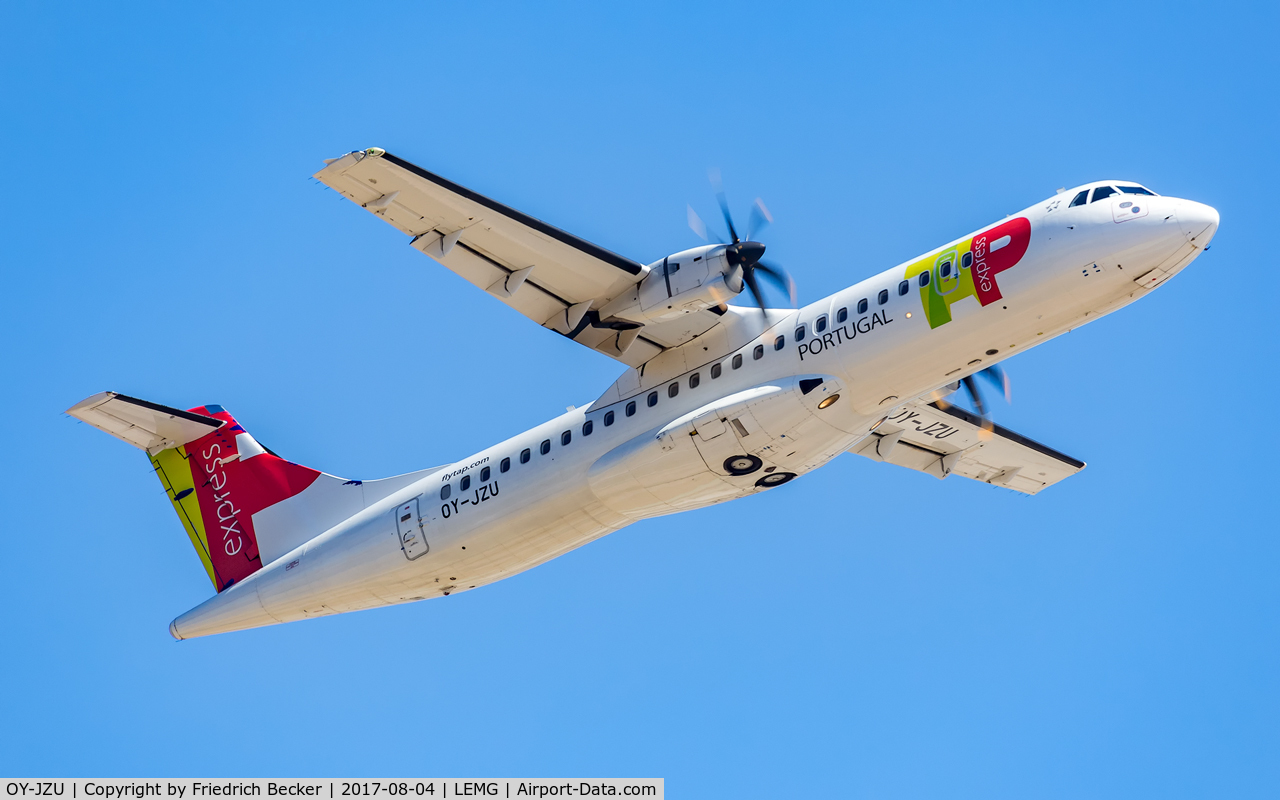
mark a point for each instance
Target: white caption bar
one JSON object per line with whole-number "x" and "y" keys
{"x": 327, "y": 788}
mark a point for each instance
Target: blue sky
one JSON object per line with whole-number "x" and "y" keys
{"x": 864, "y": 632}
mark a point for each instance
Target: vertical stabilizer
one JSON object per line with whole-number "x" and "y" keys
{"x": 217, "y": 484}
{"x": 241, "y": 505}
{"x": 216, "y": 474}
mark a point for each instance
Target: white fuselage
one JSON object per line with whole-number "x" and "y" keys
{"x": 669, "y": 454}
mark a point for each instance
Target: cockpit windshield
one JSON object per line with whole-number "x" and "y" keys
{"x": 1101, "y": 192}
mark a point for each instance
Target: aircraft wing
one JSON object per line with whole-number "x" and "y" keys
{"x": 552, "y": 277}
{"x": 951, "y": 441}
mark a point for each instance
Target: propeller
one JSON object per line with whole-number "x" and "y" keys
{"x": 993, "y": 374}
{"x": 747, "y": 269}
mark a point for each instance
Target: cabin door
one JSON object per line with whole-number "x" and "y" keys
{"x": 413, "y": 534}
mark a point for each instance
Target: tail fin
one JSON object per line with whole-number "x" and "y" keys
{"x": 218, "y": 478}
{"x": 217, "y": 483}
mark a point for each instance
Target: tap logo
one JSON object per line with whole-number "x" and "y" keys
{"x": 969, "y": 269}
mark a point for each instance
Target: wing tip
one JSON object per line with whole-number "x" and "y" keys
{"x": 90, "y": 402}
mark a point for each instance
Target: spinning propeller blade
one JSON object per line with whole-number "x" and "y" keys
{"x": 699, "y": 227}
{"x": 780, "y": 278}
{"x": 746, "y": 254}
{"x": 971, "y": 386}
{"x": 760, "y": 219}
{"x": 993, "y": 374}
{"x": 728, "y": 218}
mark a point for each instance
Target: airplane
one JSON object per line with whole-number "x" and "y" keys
{"x": 718, "y": 401}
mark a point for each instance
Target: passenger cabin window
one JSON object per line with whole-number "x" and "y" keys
{"x": 505, "y": 465}
{"x": 673, "y": 389}
{"x": 694, "y": 380}
{"x": 524, "y": 456}
{"x": 966, "y": 260}
{"x": 1101, "y": 192}
{"x": 883, "y": 297}
{"x": 820, "y": 324}
{"x": 1079, "y": 199}
{"x": 631, "y": 408}
{"x": 842, "y": 315}
{"x": 565, "y": 438}
{"x": 608, "y": 418}
{"x": 652, "y": 399}
{"x": 758, "y": 353}
{"x": 1137, "y": 190}
{"x": 779, "y": 343}
{"x": 904, "y": 286}
{"x": 716, "y": 371}
{"x": 445, "y": 490}
{"x": 545, "y": 447}
{"x": 924, "y": 279}
{"x": 484, "y": 475}
{"x": 587, "y": 427}
{"x": 800, "y": 334}
{"x": 737, "y": 360}
{"x": 465, "y": 483}
{"x": 862, "y": 306}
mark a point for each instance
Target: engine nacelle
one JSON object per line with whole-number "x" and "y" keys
{"x": 688, "y": 281}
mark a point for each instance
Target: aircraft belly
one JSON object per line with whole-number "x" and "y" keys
{"x": 339, "y": 573}
{"x": 542, "y": 543}
{"x": 332, "y": 573}
{"x": 543, "y": 520}
{"x": 685, "y": 464}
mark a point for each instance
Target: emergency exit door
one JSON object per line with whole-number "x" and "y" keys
{"x": 413, "y": 535}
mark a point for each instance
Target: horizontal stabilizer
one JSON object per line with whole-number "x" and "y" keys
{"x": 147, "y": 426}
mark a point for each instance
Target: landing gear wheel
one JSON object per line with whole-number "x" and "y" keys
{"x": 742, "y": 465}
{"x": 775, "y": 479}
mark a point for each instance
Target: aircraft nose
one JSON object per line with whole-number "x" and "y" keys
{"x": 1199, "y": 222}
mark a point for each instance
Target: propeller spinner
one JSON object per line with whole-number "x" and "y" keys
{"x": 745, "y": 257}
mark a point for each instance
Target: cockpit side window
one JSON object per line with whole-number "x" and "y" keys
{"x": 1137, "y": 190}
{"x": 1080, "y": 199}
{"x": 1101, "y": 192}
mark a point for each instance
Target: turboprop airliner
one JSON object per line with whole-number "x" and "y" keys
{"x": 718, "y": 400}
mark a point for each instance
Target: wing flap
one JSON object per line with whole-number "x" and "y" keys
{"x": 485, "y": 272}
{"x": 951, "y": 441}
